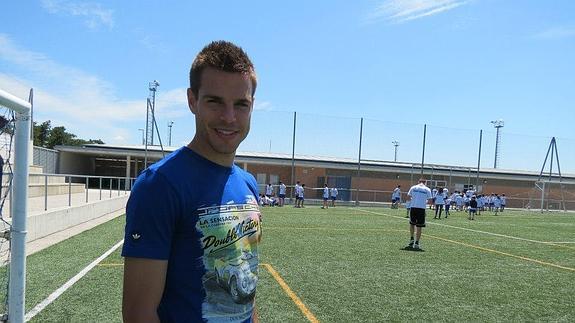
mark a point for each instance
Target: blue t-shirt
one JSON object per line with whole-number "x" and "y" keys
{"x": 203, "y": 218}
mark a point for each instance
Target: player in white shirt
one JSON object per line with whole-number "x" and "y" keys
{"x": 496, "y": 203}
{"x": 460, "y": 200}
{"x": 439, "y": 203}
{"x": 333, "y": 194}
{"x": 269, "y": 190}
{"x": 396, "y": 197}
{"x": 480, "y": 204}
{"x": 419, "y": 195}
{"x": 447, "y": 206}
{"x": 503, "y": 202}
{"x": 325, "y": 196}
{"x": 297, "y": 188}
{"x": 432, "y": 202}
{"x": 282, "y": 194}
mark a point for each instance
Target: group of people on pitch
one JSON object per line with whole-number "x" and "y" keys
{"x": 269, "y": 199}
{"x": 438, "y": 198}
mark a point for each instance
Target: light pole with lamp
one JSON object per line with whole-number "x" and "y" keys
{"x": 395, "y": 144}
{"x": 170, "y": 124}
{"x": 498, "y": 124}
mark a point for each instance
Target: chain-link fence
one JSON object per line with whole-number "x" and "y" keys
{"x": 455, "y": 157}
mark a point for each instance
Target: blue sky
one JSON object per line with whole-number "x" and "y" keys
{"x": 455, "y": 65}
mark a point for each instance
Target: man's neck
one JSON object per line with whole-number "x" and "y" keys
{"x": 226, "y": 160}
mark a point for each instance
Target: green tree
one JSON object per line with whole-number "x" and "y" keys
{"x": 41, "y": 133}
{"x": 59, "y": 136}
{"x": 48, "y": 137}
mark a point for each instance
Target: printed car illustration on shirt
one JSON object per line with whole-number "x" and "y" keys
{"x": 237, "y": 277}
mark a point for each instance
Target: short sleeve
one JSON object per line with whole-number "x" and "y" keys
{"x": 152, "y": 212}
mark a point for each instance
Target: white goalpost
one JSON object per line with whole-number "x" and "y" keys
{"x": 19, "y": 205}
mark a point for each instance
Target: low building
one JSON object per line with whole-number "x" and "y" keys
{"x": 368, "y": 181}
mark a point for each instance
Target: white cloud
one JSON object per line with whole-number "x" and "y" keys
{"x": 93, "y": 13}
{"x": 399, "y": 11}
{"x": 83, "y": 103}
{"x": 556, "y": 33}
{"x": 263, "y": 106}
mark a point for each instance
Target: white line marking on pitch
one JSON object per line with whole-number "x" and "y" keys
{"x": 472, "y": 230}
{"x": 52, "y": 297}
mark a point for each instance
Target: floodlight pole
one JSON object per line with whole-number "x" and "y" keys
{"x": 423, "y": 152}
{"x": 293, "y": 157}
{"x": 395, "y": 145}
{"x": 498, "y": 124}
{"x": 170, "y": 124}
{"x": 359, "y": 161}
{"x": 17, "y": 288}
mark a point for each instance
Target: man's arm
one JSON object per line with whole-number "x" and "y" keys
{"x": 144, "y": 281}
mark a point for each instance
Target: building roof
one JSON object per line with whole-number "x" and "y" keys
{"x": 155, "y": 152}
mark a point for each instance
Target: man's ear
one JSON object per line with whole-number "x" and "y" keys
{"x": 192, "y": 101}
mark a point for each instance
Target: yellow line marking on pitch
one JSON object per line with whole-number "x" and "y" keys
{"x": 477, "y": 231}
{"x": 291, "y": 294}
{"x": 336, "y": 229}
{"x": 502, "y": 253}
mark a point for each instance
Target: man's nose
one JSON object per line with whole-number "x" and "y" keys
{"x": 228, "y": 113}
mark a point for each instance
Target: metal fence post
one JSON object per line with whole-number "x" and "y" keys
{"x": 478, "y": 160}
{"x": 293, "y": 156}
{"x": 69, "y": 190}
{"x": 87, "y": 179}
{"x": 45, "y": 192}
{"x": 100, "y": 188}
{"x": 359, "y": 161}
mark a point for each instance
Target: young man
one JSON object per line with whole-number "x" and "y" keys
{"x": 282, "y": 194}
{"x": 396, "y": 197}
{"x": 333, "y": 194}
{"x": 496, "y": 204}
{"x": 439, "y": 203}
{"x": 325, "y": 196}
{"x": 269, "y": 190}
{"x": 297, "y": 189}
{"x": 419, "y": 195}
{"x": 183, "y": 209}
{"x": 503, "y": 202}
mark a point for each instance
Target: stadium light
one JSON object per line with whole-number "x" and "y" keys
{"x": 395, "y": 144}
{"x": 170, "y": 124}
{"x": 498, "y": 124}
{"x": 150, "y": 114}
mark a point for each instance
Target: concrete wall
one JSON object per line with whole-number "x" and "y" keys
{"x": 47, "y": 223}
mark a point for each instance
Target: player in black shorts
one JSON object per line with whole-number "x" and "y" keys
{"x": 419, "y": 195}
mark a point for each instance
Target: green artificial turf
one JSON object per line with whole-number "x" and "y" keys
{"x": 347, "y": 265}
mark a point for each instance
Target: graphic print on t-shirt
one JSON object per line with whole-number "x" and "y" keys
{"x": 230, "y": 236}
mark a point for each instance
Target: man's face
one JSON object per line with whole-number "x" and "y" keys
{"x": 223, "y": 110}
